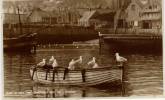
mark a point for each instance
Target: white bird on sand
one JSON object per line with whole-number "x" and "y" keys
{"x": 72, "y": 64}
{"x": 93, "y": 63}
{"x": 120, "y": 59}
{"x": 55, "y": 64}
{"x": 42, "y": 63}
{"x": 79, "y": 61}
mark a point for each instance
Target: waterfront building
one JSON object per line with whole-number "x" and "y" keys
{"x": 74, "y": 16}
{"x": 98, "y": 18}
{"x": 105, "y": 18}
{"x": 151, "y": 15}
{"x": 133, "y": 14}
{"x": 86, "y": 20}
{"x": 144, "y": 15}
{"x": 12, "y": 7}
{"x": 12, "y": 18}
{"x": 38, "y": 16}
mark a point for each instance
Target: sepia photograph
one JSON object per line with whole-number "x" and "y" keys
{"x": 82, "y": 48}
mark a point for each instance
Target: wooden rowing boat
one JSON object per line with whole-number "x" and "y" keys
{"x": 87, "y": 77}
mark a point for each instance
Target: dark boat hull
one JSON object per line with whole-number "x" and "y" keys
{"x": 24, "y": 43}
{"x": 133, "y": 43}
{"x": 50, "y": 34}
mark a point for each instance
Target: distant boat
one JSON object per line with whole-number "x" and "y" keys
{"x": 85, "y": 77}
{"x": 58, "y": 34}
{"x": 22, "y": 43}
{"x": 131, "y": 42}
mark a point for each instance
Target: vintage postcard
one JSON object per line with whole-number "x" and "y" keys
{"x": 82, "y": 48}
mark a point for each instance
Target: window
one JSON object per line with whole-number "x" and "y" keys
{"x": 156, "y": 6}
{"x": 133, "y": 7}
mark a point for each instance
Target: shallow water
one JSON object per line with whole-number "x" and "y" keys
{"x": 143, "y": 75}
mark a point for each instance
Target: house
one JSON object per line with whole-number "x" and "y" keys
{"x": 11, "y": 14}
{"x": 98, "y": 18}
{"x": 74, "y": 16}
{"x": 67, "y": 16}
{"x": 52, "y": 18}
{"x": 133, "y": 13}
{"x": 38, "y": 16}
{"x": 151, "y": 16}
{"x": 12, "y": 7}
{"x": 12, "y": 18}
{"x": 63, "y": 16}
{"x": 144, "y": 14}
{"x": 86, "y": 20}
{"x": 105, "y": 18}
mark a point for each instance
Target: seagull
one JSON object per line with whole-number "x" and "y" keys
{"x": 79, "y": 60}
{"x": 120, "y": 59}
{"x": 51, "y": 59}
{"x": 72, "y": 64}
{"x": 55, "y": 64}
{"x": 42, "y": 63}
{"x": 93, "y": 63}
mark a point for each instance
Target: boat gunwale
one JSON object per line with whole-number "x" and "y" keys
{"x": 79, "y": 70}
{"x": 20, "y": 37}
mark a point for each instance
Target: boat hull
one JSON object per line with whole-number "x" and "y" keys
{"x": 75, "y": 77}
{"x": 133, "y": 43}
{"x": 24, "y": 43}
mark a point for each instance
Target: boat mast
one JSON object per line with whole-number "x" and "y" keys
{"x": 20, "y": 24}
{"x": 120, "y": 10}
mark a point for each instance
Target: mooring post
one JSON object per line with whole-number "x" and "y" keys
{"x": 100, "y": 43}
{"x": 122, "y": 80}
{"x": 34, "y": 49}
